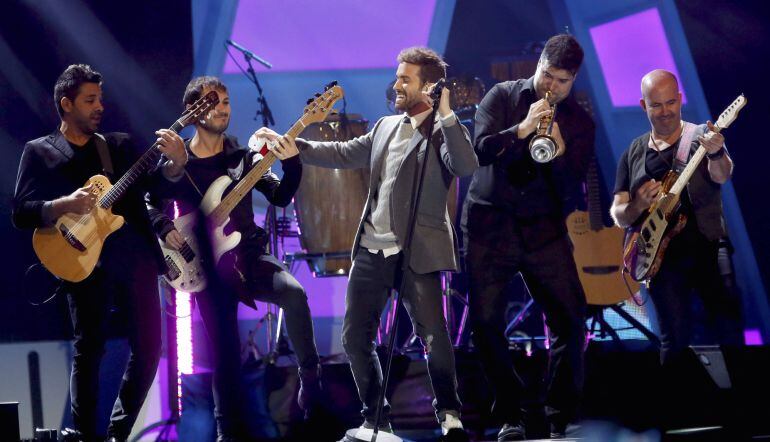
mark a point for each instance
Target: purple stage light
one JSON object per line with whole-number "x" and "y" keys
{"x": 752, "y": 336}
{"x": 627, "y": 49}
{"x": 308, "y": 35}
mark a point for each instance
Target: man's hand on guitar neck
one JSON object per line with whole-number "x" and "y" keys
{"x": 625, "y": 212}
{"x": 283, "y": 147}
{"x": 172, "y": 146}
{"x": 720, "y": 166}
{"x": 174, "y": 240}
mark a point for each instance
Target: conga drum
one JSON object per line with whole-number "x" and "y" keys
{"x": 329, "y": 202}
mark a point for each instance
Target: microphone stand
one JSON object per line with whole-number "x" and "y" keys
{"x": 264, "y": 109}
{"x": 419, "y": 177}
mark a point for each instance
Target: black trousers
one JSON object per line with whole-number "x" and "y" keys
{"x": 268, "y": 281}
{"x": 127, "y": 276}
{"x": 692, "y": 265}
{"x": 493, "y": 257}
{"x": 371, "y": 279}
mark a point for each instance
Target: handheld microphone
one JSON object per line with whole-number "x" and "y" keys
{"x": 438, "y": 89}
{"x": 248, "y": 54}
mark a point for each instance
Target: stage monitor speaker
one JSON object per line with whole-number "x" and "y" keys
{"x": 712, "y": 359}
{"x": 9, "y": 421}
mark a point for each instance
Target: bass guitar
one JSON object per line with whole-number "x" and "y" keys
{"x": 185, "y": 265}
{"x": 71, "y": 247}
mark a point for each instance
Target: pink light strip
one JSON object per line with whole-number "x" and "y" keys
{"x": 184, "y": 348}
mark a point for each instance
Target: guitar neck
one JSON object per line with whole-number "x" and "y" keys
{"x": 684, "y": 177}
{"x": 219, "y": 215}
{"x": 593, "y": 199}
{"x": 146, "y": 162}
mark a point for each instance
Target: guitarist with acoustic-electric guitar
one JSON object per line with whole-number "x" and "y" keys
{"x": 216, "y": 250}
{"x": 103, "y": 258}
{"x": 667, "y": 194}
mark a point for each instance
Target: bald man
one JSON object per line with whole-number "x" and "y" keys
{"x": 690, "y": 263}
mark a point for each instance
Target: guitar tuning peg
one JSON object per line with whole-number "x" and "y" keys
{"x": 309, "y": 100}
{"x": 317, "y": 95}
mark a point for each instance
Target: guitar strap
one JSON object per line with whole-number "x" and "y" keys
{"x": 689, "y": 132}
{"x": 104, "y": 154}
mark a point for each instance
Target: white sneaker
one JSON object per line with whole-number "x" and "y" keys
{"x": 450, "y": 423}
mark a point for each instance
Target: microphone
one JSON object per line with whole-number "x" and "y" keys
{"x": 248, "y": 54}
{"x": 438, "y": 89}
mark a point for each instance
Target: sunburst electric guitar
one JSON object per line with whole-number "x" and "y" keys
{"x": 646, "y": 242}
{"x": 185, "y": 266}
{"x": 596, "y": 250}
{"x": 70, "y": 249}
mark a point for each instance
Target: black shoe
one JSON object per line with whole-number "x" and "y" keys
{"x": 511, "y": 432}
{"x": 309, "y": 388}
{"x": 455, "y": 435}
{"x": 558, "y": 431}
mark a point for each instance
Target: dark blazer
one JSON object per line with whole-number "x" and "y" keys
{"x": 43, "y": 176}
{"x": 451, "y": 155}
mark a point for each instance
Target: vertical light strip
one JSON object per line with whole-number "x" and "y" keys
{"x": 184, "y": 348}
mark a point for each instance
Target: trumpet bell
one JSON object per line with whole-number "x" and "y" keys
{"x": 543, "y": 149}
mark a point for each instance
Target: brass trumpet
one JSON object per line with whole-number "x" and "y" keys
{"x": 543, "y": 147}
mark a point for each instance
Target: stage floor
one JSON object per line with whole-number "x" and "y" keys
{"x": 625, "y": 398}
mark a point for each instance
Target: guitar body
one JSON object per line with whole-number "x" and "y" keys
{"x": 598, "y": 262}
{"x": 70, "y": 249}
{"x": 220, "y": 242}
{"x": 186, "y": 271}
{"x": 185, "y": 268}
{"x": 646, "y": 244}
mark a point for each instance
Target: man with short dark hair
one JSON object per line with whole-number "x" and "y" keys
{"x": 514, "y": 222}
{"x": 392, "y": 151}
{"x": 130, "y": 261}
{"x": 247, "y": 272}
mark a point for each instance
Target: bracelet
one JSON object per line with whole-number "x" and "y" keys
{"x": 717, "y": 155}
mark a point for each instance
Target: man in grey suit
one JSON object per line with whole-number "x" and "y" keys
{"x": 392, "y": 151}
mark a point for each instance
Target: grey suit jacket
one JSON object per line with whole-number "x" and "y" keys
{"x": 451, "y": 154}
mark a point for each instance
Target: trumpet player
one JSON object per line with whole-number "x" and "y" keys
{"x": 513, "y": 222}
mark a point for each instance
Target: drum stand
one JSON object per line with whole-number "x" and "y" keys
{"x": 274, "y": 228}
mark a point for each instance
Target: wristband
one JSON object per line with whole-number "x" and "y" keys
{"x": 717, "y": 155}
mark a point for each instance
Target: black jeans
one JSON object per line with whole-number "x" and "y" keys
{"x": 551, "y": 277}
{"x": 127, "y": 275}
{"x": 371, "y": 278}
{"x": 691, "y": 264}
{"x": 268, "y": 281}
